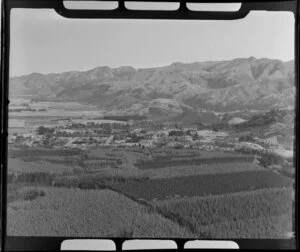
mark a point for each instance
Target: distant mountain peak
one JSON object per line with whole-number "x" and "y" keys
{"x": 241, "y": 83}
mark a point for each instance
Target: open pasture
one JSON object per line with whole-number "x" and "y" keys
{"x": 202, "y": 185}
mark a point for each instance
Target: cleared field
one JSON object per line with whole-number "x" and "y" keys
{"x": 17, "y": 165}
{"x": 102, "y": 213}
{"x": 202, "y": 185}
{"x": 265, "y": 213}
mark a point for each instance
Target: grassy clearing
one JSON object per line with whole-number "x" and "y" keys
{"x": 201, "y": 185}
{"x": 93, "y": 213}
{"x": 265, "y": 213}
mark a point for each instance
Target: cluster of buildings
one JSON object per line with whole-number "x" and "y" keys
{"x": 82, "y": 133}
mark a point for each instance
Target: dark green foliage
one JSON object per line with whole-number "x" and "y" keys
{"x": 162, "y": 157}
{"x": 213, "y": 209}
{"x": 218, "y": 126}
{"x": 33, "y": 194}
{"x": 153, "y": 164}
{"x": 268, "y": 159}
{"x": 16, "y": 193}
{"x": 135, "y": 138}
{"x": 91, "y": 185}
{"x": 11, "y": 178}
{"x": 244, "y": 214}
{"x": 288, "y": 172}
{"x": 246, "y": 138}
{"x": 259, "y": 120}
{"x": 125, "y": 117}
{"x": 249, "y": 151}
{"x": 201, "y": 185}
{"x": 196, "y": 137}
{"x": 41, "y": 178}
{"x": 125, "y": 233}
{"x": 264, "y": 227}
{"x": 43, "y": 130}
{"x": 176, "y": 133}
{"x": 67, "y": 157}
{"x": 36, "y": 153}
{"x": 93, "y": 213}
{"x": 69, "y": 162}
{"x": 94, "y": 181}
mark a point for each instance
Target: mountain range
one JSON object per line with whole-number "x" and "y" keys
{"x": 170, "y": 91}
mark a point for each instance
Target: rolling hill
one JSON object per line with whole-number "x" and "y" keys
{"x": 224, "y": 86}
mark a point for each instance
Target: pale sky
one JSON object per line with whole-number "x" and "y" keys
{"x": 44, "y": 42}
